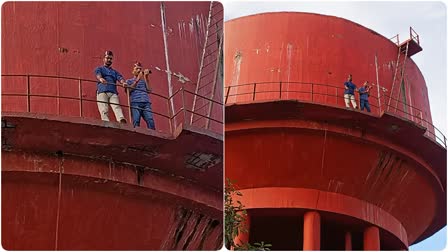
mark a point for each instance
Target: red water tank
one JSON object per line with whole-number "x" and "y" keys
{"x": 313, "y": 173}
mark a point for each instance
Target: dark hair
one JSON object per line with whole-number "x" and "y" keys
{"x": 108, "y": 53}
{"x": 137, "y": 64}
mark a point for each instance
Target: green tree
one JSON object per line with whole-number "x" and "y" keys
{"x": 235, "y": 215}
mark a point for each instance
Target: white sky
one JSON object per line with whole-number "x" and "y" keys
{"x": 428, "y": 19}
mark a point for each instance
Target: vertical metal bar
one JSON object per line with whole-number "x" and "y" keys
{"x": 227, "y": 96}
{"x": 421, "y": 118}
{"x": 378, "y": 84}
{"x": 28, "y": 100}
{"x": 337, "y": 96}
{"x": 171, "y": 116}
{"x": 80, "y": 96}
{"x": 183, "y": 105}
{"x": 255, "y": 87}
{"x": 280, "y": 90}
{"x": 128, "y": 94}
{"x": 312, "y": 92}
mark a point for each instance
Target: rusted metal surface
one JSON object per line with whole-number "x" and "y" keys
{"x": 124, "y": 216}
{"x": 132, "y": 192}
{"x": 304, "y": 150}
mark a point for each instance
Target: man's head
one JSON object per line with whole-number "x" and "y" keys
{"x": 137, "y": 68}
{"x": 349, "y": 78}
{"x": 366, "y": 83}
{"x": 108, "y": 57}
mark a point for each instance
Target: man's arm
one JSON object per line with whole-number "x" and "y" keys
{"x": 146, "y": 75}
{"x": 121, "y": 79}
{"x": 99, "y": 77}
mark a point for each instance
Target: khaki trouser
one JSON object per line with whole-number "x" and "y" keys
{"x": 348, "y": 98}
{"x": 103, "y": 101}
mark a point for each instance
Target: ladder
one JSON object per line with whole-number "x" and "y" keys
{"x": 399, "y": 73}
{"x": 210, "y": 77}
{"x": 405, "y": 50}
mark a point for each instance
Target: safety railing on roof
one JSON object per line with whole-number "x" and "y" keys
{"x": 395, "y": 39}
{"x": 172, "y": 117}
{"x": 331, "y": 95}
{"x": 413, "y": 35}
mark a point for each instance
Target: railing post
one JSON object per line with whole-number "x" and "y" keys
{"x": 80, "y": 97}
{"x": 170, "y": 115}
{"x": 255, "y": 87}
{"x": 28, "y": 100}
{"x": 227, "y": 96}
{"x": 280, "y": 90}
{"x": 183, "y": 105}
{"x": 312, "y": 92}
{"x": 128, "y": 94}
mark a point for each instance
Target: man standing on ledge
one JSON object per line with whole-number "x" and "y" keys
{"x": 106, "y": 92}
{"x": 364, "y": 96}
{"x": 349, "y": 92}
{"x": 138, "y": 91}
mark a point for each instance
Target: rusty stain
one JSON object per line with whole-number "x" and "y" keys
{"x": 63, "y": 50}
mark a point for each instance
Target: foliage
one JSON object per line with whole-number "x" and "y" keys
{"x": 235, "y": 215}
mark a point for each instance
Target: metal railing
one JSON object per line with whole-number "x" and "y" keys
{"x": 330, "y": 95}
{"x": 413, "y": 35}
{"x": 395, "y": 39}
{"x": 166, "y": 114}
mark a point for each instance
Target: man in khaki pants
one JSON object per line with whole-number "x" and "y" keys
{"x": 107, "y": 89}
{"x": 349, "y": 93}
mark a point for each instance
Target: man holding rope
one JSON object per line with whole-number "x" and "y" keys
{"x": 106, "y": 92}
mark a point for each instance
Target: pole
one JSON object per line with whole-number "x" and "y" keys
{"x": 80, "y": 97}
{"x": 377, "y": 83}
{"x": 128, "y": 94}
{"x": 28, "y": 100}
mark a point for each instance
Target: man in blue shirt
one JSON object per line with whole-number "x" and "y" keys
{"x": 349, "y": 92}
{"x": 138, "y": 92}
{"x": 106, "y": 89}
{"x": 364, "y": 96}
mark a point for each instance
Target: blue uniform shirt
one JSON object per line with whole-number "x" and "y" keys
{"x": 111, "y": 76}
{"x": 363, "y": 96}
{"x": 351, "y": 88}
{"x": 139, "y": 94}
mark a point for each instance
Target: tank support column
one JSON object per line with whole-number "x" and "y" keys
{"x": 243, "y": 238}
{"x": 311, "y": 231}
{"x": 348, "y": 241}
{"x": 372, "y": 238}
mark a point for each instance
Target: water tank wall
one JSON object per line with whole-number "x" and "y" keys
{"x": 69, "y": 39}
{"x": 311, "y": 48}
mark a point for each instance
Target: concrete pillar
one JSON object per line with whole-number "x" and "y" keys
{"x": 372, "y": 238}
{"x": 311, "y": 231}
{"x": 243, "y": 237}
{"x": 348, "y": 241}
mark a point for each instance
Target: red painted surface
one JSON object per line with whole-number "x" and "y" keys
{"x": 144, "y": 196}
{"x": 311, "y": 231}
{"x": 73, "y": 182}
{"x": 244, "y": 234}
{"x": 348, "y": 241}
{"x": 372, "y": 239}
{"x": 355, "y": 169}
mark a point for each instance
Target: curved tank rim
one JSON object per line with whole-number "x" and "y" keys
{"x": 311, "y": 14}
